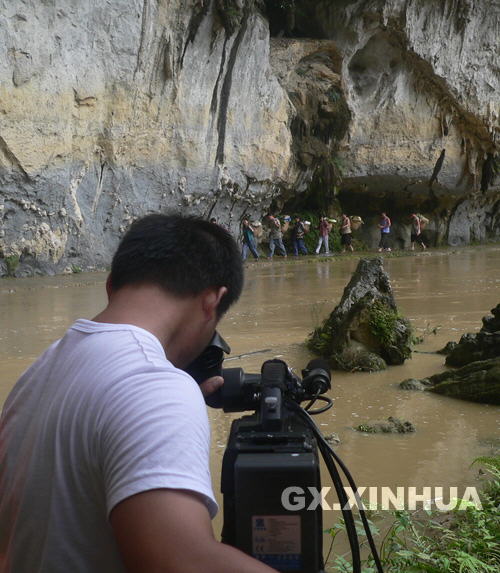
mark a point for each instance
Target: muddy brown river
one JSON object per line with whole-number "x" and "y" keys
{"x": 444, "y": 294}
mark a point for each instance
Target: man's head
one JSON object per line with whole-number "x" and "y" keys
{"x": 182, "y": 255}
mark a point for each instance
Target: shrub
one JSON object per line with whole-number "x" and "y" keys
{"x": 465, "y": 541}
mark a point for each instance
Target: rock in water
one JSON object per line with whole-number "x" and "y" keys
{"x": 365, "y": 331}
{"x": 415, "y": 384}
{"x": 390, "y": 426}
{"x": 477, "y": 382}
{"x": 478, "y": 379}
{"x": 479, "y": 346}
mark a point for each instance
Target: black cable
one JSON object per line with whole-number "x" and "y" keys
{"x": 329, "y": 404}
{"x": 350, "y": 525}
{"x": 339, "y": 488}
{"x": 325, "y": 447}
{"x": 313, "y": 400}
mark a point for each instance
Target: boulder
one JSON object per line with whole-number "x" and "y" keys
{"x": 478, "y": 357}
{"x": 478, "y": 346}
{"x": 448, "y": 348}
{"x": 478, "y": 381}
{"x": 415, "y": 384}
{"x": 364, "y": 332}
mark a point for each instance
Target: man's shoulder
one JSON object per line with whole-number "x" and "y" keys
{"x": 118, "y": 360}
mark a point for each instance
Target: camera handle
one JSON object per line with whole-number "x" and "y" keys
{"x": 274, "y": 373}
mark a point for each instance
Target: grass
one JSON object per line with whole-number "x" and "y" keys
{"x": 460, "y": 541}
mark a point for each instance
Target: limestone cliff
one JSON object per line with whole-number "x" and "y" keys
{"x": 111, "y": 109}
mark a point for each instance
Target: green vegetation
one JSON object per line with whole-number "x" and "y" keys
{"x": 383, "y": 320}
{"x": 311, "y": 238}
{"x": 424, "y": 541}
{"x": 320, "y": 340}
{"x": 76, "y": 269}
{"x": 366, "y": 428}
{"x": 12, "y": 262}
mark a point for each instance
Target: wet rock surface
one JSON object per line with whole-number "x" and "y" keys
{"x": 415, "y": 384}
{"x": 477, "y": 382}
{"x": 478, "y": 357}
{"x": 364, "y": 332}
{"x": 478, "y": 346}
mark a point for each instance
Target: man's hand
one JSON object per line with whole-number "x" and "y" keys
{"x": 170, "y": 530}
{"x": 211, "y": 385}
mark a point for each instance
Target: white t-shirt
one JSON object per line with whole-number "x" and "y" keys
{"x": 100, "y": 416}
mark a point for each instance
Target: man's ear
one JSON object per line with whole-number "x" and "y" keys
{"x": 210, "y": 301}
{"x": 109, "y": 287}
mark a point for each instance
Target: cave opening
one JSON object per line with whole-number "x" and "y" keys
{"x": 293, "y": 19}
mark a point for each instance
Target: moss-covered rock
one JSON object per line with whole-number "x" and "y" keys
{"x": 477, "y": 382}
{"x": 365, "y": 331}
{"x": 390, "y": 426}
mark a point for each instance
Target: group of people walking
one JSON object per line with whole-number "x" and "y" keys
{"x": 417, "y": 225}
{"x": 298, "y": 233}
{"x": 300, "y": 228}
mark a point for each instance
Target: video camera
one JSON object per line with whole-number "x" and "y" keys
{"x": 270, "y": 451}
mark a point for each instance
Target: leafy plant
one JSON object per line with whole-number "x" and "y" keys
{"x": 383, "y": 320}
{"x": 465, "y": 541}
{"x": 12, "y": 262}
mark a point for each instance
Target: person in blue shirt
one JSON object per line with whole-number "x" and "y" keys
{"x": 385, "y": 231}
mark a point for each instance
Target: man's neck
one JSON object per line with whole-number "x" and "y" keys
{"x": 148, "y": 307}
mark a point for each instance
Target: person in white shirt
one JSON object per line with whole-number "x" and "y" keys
{"x": 104, "y": 440}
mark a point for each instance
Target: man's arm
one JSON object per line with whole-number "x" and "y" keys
{"x": 169, "y": 531}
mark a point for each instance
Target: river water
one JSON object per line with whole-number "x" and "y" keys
{"x": 443, "y": 293}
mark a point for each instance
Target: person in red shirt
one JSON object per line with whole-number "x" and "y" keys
{"x": 324, "y": 229}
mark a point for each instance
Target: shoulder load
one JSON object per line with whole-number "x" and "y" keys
{"x": 356, "y": 222}
{"x": 423, "y": 220}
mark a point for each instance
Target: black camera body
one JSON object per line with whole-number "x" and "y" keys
{"x": 267, "y": 453}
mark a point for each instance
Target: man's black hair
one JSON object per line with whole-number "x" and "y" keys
{"x": 182, "y": 255}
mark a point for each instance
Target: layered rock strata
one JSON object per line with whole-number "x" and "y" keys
{"x": 112, "y": 110}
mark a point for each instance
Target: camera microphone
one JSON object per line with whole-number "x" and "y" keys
{"x": 316, "y": 376}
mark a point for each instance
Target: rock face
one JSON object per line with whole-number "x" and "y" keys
{"x": 478, "y": 379}
{"x": 364, "y": 332}
{"x": 111, "y": 110}
{"x": 481, "y": 346}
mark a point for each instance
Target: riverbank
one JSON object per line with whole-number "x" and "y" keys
{"x": 356, "y": 255}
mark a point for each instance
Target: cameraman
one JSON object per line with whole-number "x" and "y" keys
{"x": 104, "y": 442}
